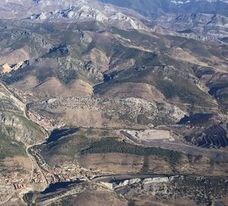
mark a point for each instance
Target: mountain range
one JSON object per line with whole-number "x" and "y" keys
{"x": 113, "y": 102}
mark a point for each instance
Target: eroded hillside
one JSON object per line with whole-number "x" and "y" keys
{"x": 102, "y": 103}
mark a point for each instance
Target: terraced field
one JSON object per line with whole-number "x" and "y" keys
{"x": 212, "y": 137}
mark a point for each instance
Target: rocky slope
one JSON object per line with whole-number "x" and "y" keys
{"x": 204, "y": 20}
{"x": 153, "y": 8}
{"x": 80, "y": 10}
{"x": 13, "y": 122}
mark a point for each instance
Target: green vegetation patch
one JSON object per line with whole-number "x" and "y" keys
{"x": 9, "y": 147}
{"x": 174, "y": 86}
{"x": 37, "y": 133}
{"x": 110, "y": 145}
{"x": 67, "y": 76}
{"x": 102, "y": 141}
{"x": 69, "y": 146}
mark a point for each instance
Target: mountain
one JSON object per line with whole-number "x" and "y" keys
{"x": 158, "y": 7}
{"x": 113, "y": 102}
{"x": 194, "y": 19}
